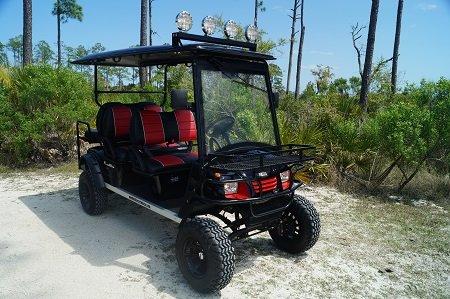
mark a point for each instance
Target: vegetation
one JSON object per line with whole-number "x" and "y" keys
{"x": 392, "y": 139}
{"x": 39, "y": 106}
{"x": 400, "y": 134}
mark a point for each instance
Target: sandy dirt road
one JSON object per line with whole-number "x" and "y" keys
{"x": 368, "y": 248}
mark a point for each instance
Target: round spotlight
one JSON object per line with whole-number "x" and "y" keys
{"x": 251, "y": 33}
{"x": 184, "y": 21}
{"x": 231, "y": 29}
{"x": 209, "y": 25}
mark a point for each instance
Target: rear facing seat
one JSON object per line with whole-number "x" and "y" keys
{"x": 113, "y": 125}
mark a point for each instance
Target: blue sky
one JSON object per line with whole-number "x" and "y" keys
{"x": 424, "y": 49}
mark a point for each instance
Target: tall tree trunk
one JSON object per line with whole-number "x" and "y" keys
{"x": 27, "y": 32}
{"x": 398, "y": 29}
{"x": 255, "y": 20}
{"x": 58, "y": 19}
{"x": 300, "y": 51}
{"x": 292, "y": 40}
{"x": 144, "y": 12}
{"x": 150, "y": 33}
{"x": 365, "y": 84}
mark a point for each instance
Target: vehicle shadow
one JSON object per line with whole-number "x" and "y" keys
{"x": 125, "y": 231}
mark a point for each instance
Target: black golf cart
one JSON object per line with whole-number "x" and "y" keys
{"x": 213, "y": 162}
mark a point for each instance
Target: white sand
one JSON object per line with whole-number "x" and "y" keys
{"x": 50, "y": 248}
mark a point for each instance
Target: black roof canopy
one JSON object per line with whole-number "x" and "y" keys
{"x": 167, "y": 54}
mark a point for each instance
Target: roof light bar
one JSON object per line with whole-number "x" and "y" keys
{"x": 209, "y": 25}
{"x": 251, "y": 33}
{"x": 231, "y": 29}
{"x": 184, "y": 21}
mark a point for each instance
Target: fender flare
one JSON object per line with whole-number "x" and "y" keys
{"x": 89, "y": 163}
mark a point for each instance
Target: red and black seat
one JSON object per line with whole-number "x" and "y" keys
{"x": 113, "y": 125}
{"x": 150, "y": 129}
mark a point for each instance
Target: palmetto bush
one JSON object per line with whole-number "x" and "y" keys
{"x": 403, "y": 132}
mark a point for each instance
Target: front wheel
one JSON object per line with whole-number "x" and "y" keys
{"x": 299, "y": 228}
{"x": 204, "y": 254}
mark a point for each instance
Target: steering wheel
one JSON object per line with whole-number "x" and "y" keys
{"x": 220, "y": 128}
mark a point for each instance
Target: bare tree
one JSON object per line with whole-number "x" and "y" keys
{"x": 359, "y": 49}
{"x": 143, "y": 39}
{"x": 150, "y": 33}
{"x": 395, "y": 54}
{"x": 27, "y": 32}
{"x": 294, "y": 18}
{"x": 365, "y": 82}
{"x": 300, "y": 51}
{"x": 259, "y": 7}
{"x": 356, "y": 35}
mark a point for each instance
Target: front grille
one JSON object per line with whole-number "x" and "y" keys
{"x": 265, "y": 185}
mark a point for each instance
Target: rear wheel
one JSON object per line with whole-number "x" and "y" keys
{"x": 93, "y": 199}
{"x": 204, "y": 254}
{"x": 299, "y": 228}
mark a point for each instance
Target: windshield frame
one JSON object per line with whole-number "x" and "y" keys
{"x": 241, "y": 66}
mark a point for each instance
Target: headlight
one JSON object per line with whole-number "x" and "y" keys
{"x": 231, "y": 29}
{"x": 285, "y": 175}
{"x": 209, "y": 25}
{"x": 230, "y": 188}
{"x": 251, "y": 33}
{"x": 184, "y": 21}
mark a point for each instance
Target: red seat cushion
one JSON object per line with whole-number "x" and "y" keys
{"x": 187, "y": 130}
{"x": 151, "y": 128}
{"x": 121, "y": 117}
{"x": 160, "y": 162}
{"x": 114, "y": 119}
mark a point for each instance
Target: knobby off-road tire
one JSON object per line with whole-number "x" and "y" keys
{"x": 299, "y": 228}
{"x": 204, "y": 254}
{"x": 93, "y": 199}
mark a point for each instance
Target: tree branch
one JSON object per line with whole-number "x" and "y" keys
{"x": 380, "y": 65}
{"x": 356, "y": 35}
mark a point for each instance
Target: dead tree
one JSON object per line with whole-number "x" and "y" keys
{"x": 294, "y": 18}
{"x": 359, "y": 49}
{"x": 143, "y": 40}
{"x": 259, "y": 6}
{"x": 150, "y": 33}
{"x": 356, "y": 35}
{"x": 369, "y": 55}
{"x": 300, "y": 51}
{"x": 395, "y": 54}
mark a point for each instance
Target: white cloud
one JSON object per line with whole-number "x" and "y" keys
{"x": 326, "y": 53}
{"x": 428, "y": 6}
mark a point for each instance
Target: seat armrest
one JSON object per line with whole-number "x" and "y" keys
{"x": 91, "y": 136}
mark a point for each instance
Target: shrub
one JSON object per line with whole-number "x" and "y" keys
{"x": 38, "y": 114}
{"x": 403, "y": 131}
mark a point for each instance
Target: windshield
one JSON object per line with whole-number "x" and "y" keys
{"x": 236, "y": 107}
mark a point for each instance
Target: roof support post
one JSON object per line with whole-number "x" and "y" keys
{"x": 96, "y": 86}
{"x": 165, "y": 83}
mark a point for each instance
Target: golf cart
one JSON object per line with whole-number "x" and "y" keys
{"x": 213, "y": 162}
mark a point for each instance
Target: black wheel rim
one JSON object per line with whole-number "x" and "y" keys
{"x": 290, "y": 226}
{"x": 84, "y": 195}
{"x": 195, "y": 257}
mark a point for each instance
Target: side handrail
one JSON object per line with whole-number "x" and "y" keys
{"x": 79, "y": 138}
